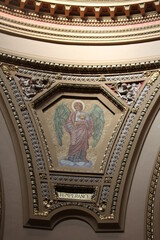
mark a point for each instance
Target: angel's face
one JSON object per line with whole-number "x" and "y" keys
{"x": 78, "y": 106}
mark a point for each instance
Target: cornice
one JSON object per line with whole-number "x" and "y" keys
{"x": 79, "y": 68}
{"x": 82, "y": 9}
{"x": 97, "y": 2}
{"x": 105, "y": 21}
{"x": 80, "y": 35}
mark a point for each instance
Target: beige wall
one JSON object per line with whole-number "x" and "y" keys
{"x": 75, "y": 229}
{"x": 78, "y": 53}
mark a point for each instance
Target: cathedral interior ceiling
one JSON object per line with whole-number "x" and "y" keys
{"x": 79, "y": 127}
{"x": 80, "y": 136}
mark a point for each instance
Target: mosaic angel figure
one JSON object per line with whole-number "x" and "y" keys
{"x": 81, "y": 126}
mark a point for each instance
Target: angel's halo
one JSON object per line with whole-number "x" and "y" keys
{"x": 75, "y": 101}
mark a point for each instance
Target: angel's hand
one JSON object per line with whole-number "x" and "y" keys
{"x": 90, "y": 134}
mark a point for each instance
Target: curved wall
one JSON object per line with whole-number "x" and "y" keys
{"x": 78, "y": 54}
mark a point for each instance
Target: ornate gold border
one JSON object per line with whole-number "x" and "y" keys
{"x": 78, "y": 68}
{"x": 150, "y": 211}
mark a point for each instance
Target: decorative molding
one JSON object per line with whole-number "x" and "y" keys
{"x": 128, "y": 91}
{"x": 31, "y": 86}
{"x": 130, "y": 143}
{"x": 74, "y": 21}
{"x": 24, "y": 141}
{"x": 151, "y": 16}
{"x": 85, "y": 9}
{"x": 73, "y": 68}
{"x": 150, "y": 211}
{"x": 80, "y": 35}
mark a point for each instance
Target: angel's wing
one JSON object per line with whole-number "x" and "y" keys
{"x": 60, "y": 116}
{"x": 98, "y": 122}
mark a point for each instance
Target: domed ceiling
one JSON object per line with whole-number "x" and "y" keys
{"x": 123, "y": 93}
{"x": 82, "y": 22}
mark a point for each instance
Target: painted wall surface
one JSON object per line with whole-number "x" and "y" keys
{"x": 75, "y": 229}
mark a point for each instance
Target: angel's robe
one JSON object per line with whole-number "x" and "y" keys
{"x": 80, "y": 127}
